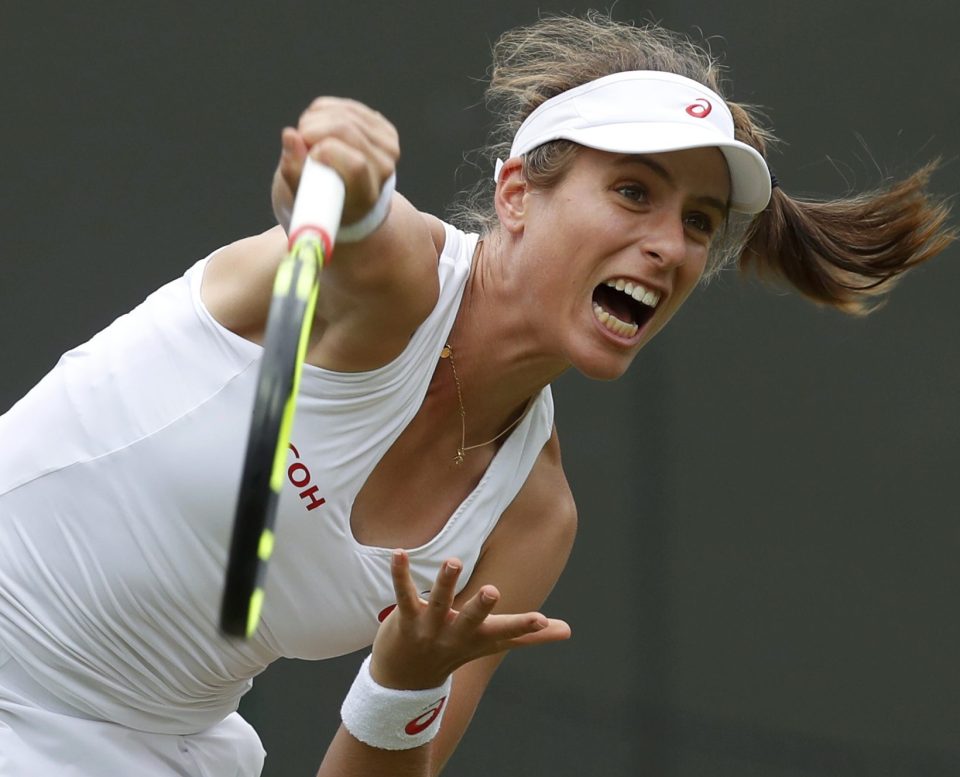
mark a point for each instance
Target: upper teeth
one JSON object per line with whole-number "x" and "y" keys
{"x": 640, "y": 293}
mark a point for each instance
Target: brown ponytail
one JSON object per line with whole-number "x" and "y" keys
{"x": 845, "y": 253}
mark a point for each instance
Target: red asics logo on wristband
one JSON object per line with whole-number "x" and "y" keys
{"x": 423, "y": 721}
{"x": 700, "y": 109}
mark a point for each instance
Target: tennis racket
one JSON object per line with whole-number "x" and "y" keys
{"x": 313, "y": 225}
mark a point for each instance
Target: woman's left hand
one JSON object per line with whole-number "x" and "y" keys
{"x": 421, "y": 642}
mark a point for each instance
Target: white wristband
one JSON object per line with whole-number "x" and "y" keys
{"x": 358, "y": 230}
{"x": 392, "y": 719}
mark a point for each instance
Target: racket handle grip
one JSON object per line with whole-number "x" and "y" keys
{"x": 319, "y": 202}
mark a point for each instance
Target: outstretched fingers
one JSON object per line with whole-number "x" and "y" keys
{"x": 409, "y": 602}
{"x": 527, "y": 630}
{"x": 443, "y": 593}
{"x": 422, "y": 641}
{"x": 504, "y": 631}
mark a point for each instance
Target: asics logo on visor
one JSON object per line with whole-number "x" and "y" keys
{"x": 700, "y": 108}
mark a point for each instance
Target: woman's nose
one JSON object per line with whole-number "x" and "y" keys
{"x": 665, "y": 241}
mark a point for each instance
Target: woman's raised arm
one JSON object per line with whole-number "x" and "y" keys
{"x": 376, "y": 290}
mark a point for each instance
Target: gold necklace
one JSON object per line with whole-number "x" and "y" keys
{"x": 447, "y": 353}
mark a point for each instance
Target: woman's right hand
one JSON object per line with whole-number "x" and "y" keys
{"x": 356, "y": 141}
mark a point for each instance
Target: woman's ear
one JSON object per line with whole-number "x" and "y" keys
{"x": 510, "y": 198}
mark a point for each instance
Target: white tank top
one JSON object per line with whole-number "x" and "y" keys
{"x": 118, "y": 481}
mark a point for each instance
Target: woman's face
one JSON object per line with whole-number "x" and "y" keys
{"x": 618, "y": 245}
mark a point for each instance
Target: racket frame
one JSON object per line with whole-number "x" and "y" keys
{"x": 316, "y": 215}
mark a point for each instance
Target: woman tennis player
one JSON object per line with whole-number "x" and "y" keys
{"x": 425, "y": 421}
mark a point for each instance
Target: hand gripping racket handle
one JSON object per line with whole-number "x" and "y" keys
{"x": 313, "y": 226}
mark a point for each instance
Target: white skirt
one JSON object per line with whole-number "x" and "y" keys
{"x": 38, "y": 738}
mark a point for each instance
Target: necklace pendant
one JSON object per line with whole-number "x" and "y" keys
{"x": 458, "y": 459}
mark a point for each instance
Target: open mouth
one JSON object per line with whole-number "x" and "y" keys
{"x": 624, "y": 306}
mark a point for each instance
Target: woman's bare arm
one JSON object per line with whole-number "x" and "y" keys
{"x": 375, "y": 292}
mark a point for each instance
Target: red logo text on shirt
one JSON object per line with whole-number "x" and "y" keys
{"x": 299, "y": 476}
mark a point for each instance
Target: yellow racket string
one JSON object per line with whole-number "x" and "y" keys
{"x": 264, "y": 551}
{"x": 253, "y": 612}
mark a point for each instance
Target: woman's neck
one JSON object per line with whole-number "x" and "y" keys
{"x": 498, "y": 360}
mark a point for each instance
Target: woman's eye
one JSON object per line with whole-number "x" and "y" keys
{"x": 633, "y": 192}
{"x": 701, "y": 222}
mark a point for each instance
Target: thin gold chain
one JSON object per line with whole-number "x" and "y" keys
{"x": 447, "y": 353}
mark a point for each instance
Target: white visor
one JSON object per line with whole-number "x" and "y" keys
{"x": 649, "y": 112}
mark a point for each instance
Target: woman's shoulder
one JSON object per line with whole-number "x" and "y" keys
{"x": 437, "y": 229}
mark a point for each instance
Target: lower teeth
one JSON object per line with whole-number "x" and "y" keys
{"x": 613, "y": 323}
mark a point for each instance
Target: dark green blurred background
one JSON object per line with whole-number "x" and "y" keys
{"x": 766, "y": 577}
